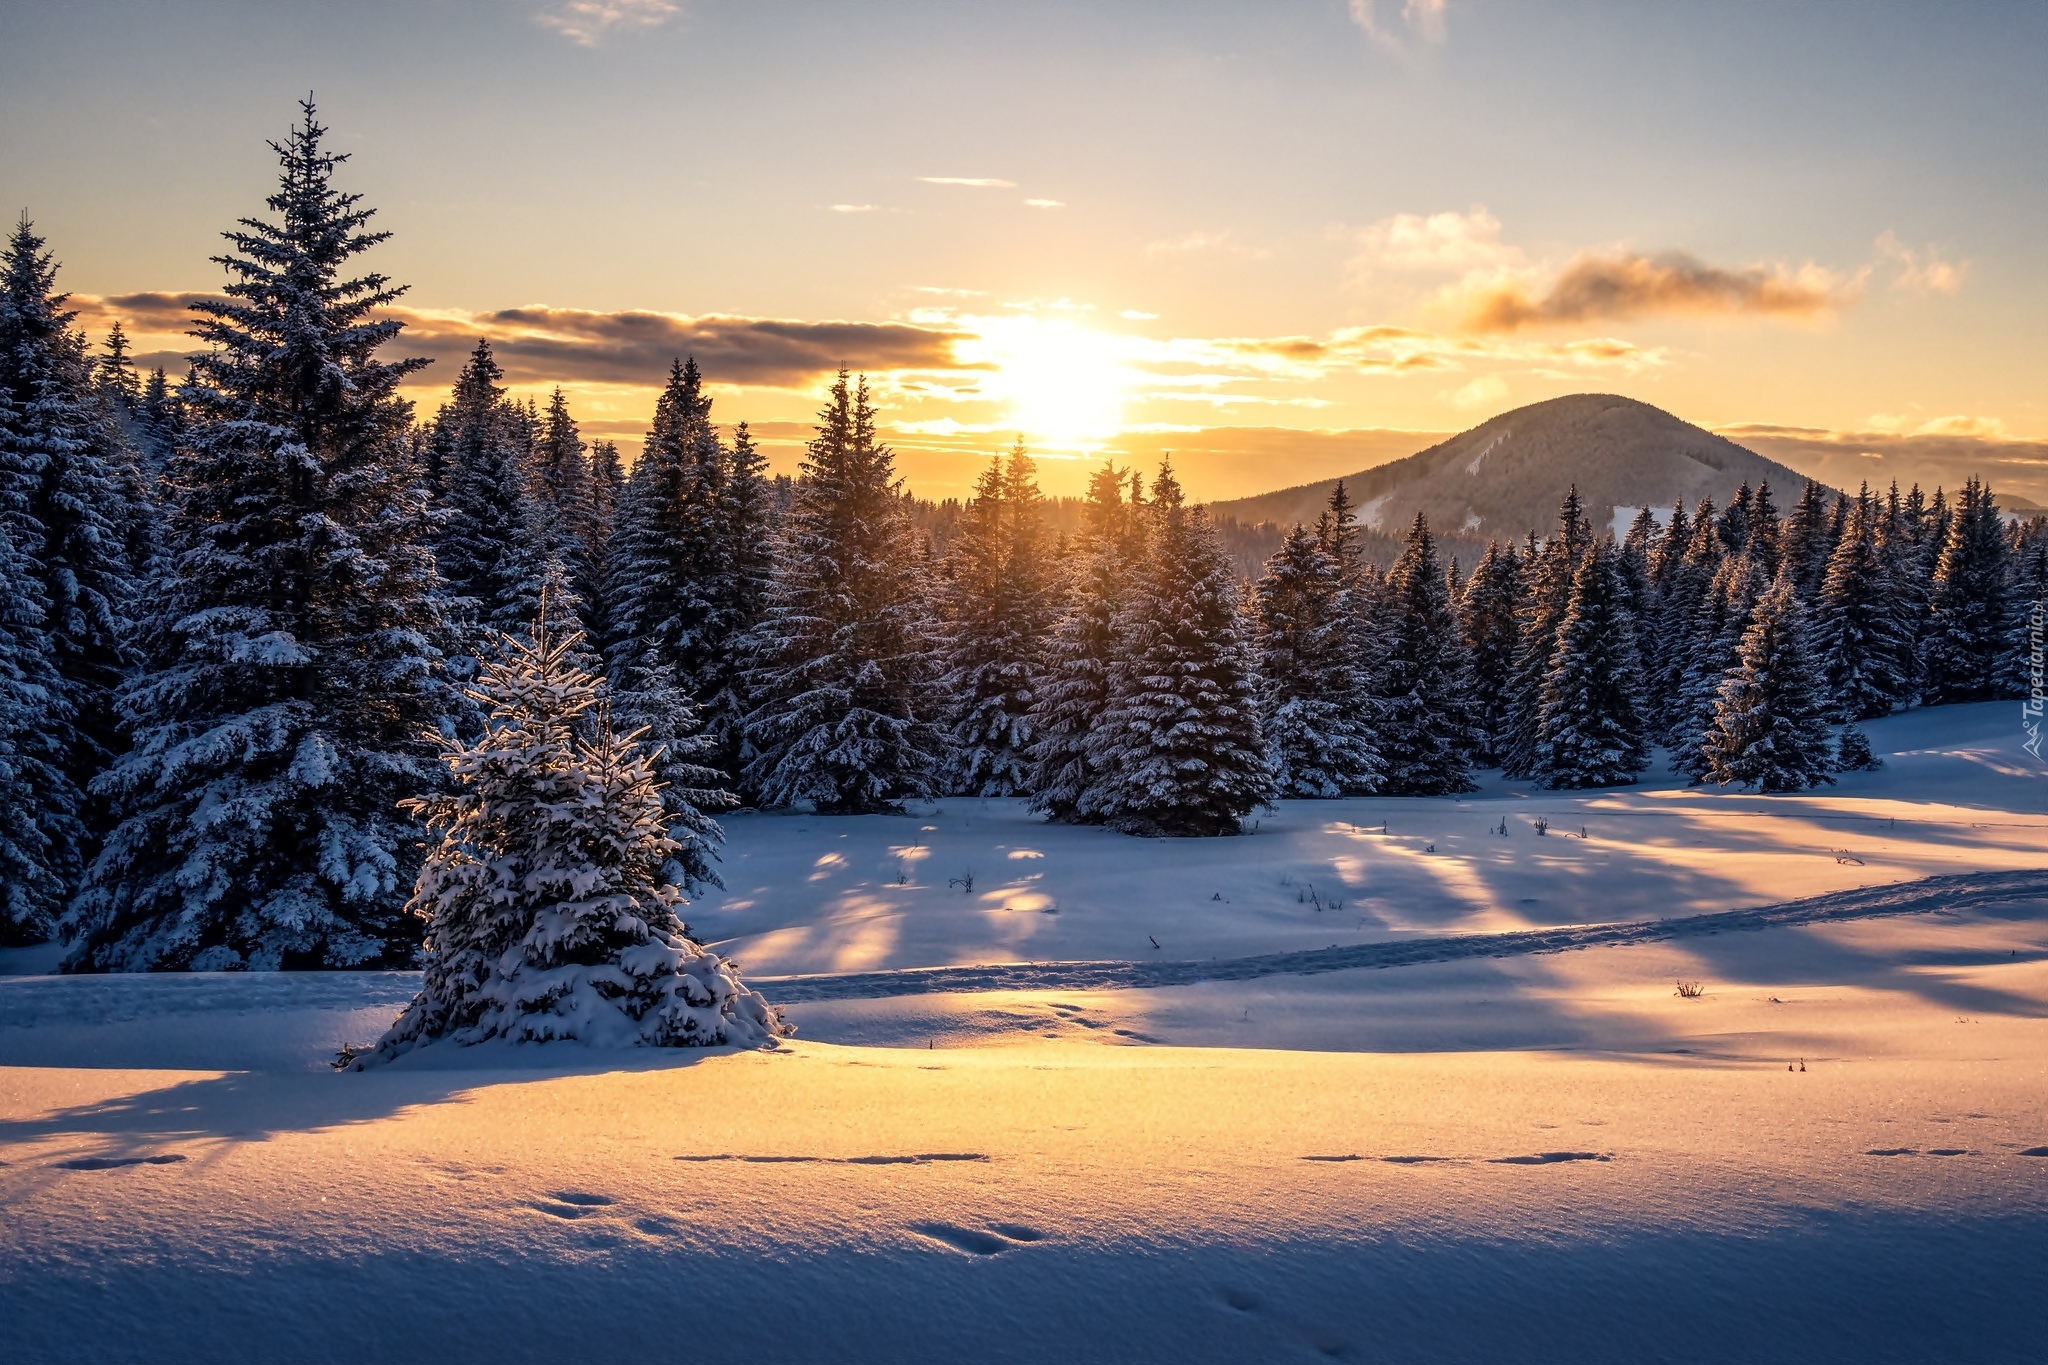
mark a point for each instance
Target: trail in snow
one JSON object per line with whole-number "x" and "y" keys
{"x": 1968, "y": 891}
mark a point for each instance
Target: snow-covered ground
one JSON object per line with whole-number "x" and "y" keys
{"x": 1499, "y": 1151}
{"x": 810, "y": 895}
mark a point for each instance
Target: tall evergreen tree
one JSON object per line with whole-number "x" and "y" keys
{"x": 2020, "y": 667}
{"x": 548, "y": 911}
{"x": 1855, "y": 633}
{"x": 1177, "y": 751}
{"x": 1550, "y": 572}
{"x": 562, "y": 470}
{"x": 1592, "y": 730}
{"x": 1807, "y": 540}
{"x": 1768, "y": 732}
{"x": 1426, "y": 734}
{"x": 998, "y": 608}
{"x": 1713, "y": 646}
{"x": 297, "y": 650}
{"x": 739, "y": 597}
{"x": 1492, "y": 633}
{"x": 32, "y": 880}
{"x": 1318, "y": 743}
{"x": 1074, "y": 692}
{"x": 1966, "y": 607}
{"x": 71, "y": 516}
{"x": 840, "y": 661}
{"x": 492, "y": 550}
{"x": 1908, "y": 564}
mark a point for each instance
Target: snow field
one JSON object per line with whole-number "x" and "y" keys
{"x": 808, "y": 894}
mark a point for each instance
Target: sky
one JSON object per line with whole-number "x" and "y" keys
{"x": 1285, "y": 239}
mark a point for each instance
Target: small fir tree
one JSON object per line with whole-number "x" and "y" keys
{"x": 1769, "y": 733}
{"x": 1852, "y": 751}
{"x": 547, "y": 912}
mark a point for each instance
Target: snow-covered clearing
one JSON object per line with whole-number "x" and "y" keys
{"x": 810, "y": 895}
{"x": 1510, "y": 1154}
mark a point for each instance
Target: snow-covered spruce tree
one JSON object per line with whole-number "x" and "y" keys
{"x": 71, "y": 514}
{"x": 492, "y": 547}
{"x": 2026, "y": 613}
{"x": 1490, "y": 609}
{"x": 746, "y": 528}
{"x": 1687, "y": 562}
{"x": 1591, "y": 733}
{"x": 1074, "y": 691}
{"x": 298, "y": 647}
{"x": 1769, "y": 733}
{"x": 563, "y": 482}
{"x": 1855, "y": 633}
{"x": 1909, "y": 545}
{"x": 1966, "y": 608}
{"x": 1426, "y": 733}
{"x": 548, "y": 914}
{"x": 998, "y": 601}
{"x": 1713, "y": 645}
{"x": 32, "y": 886}
{"x": 1549, "y": 574}
{"x": 1317, "y": 741}
{"x": 841, "y": 662}
{"x": 1177, "y": 751}
{"x": 1807, "y": 540}
{"x": 680, "y": 585}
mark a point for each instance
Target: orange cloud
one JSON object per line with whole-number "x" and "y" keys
{"x": 542, "y": 345}
{"x": 1597, "y": 287}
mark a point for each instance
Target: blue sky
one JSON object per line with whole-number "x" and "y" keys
{"x": 1298, "y": 214}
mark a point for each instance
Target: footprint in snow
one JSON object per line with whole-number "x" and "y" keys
{"x": 572, "y": 1204}
{"x": 108, "y": 1163}
{"x": 2035, "y": 1151}
{"x": 999, "y": 1237}
{"x": 1547, "y": 1158}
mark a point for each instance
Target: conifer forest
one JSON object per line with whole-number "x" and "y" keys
{"x": 242, "y": 604}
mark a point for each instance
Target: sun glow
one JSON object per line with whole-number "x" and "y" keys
{"x": 1054, "y": 379}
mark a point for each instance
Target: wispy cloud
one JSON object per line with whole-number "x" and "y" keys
{"x": 1385, "y": 349}
{"x": 1204, "y": 241}
{"x": 588, "y": 22}
{"x": 1923, "y": 271}
{"x": 1452, "y": 243}
{"x": 1607, "y": 286}
{"x": 972, "y": 182}
{"x": 1045, "y": 203}
{"x": 1420, "y": 21}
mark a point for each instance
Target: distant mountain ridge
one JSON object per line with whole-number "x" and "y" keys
{"x": 1505, "y": 477}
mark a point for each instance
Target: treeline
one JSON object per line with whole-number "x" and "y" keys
{"x": 242, "y": 617}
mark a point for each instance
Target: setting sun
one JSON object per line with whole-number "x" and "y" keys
{"x": 1055, "y": 380}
